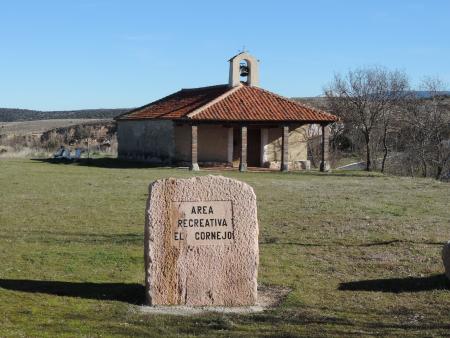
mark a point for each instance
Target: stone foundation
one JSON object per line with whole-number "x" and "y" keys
{"x": 293, "y": 165}
{"x": 147, "y": 158}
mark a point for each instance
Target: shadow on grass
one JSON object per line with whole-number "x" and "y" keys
{"x": 398, "y": 285}
{"x": 128, "y": 293}
{"x": 274, "y": 240}
{"x": 60, "y": 237}
{"x": 104, "y": 162}
{"x": 115, "y": 163}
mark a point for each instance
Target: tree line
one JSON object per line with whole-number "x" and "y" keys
{"x": 15, "y": 114}
{"x": 394, "y": 128}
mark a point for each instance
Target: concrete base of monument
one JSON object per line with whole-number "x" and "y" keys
{"x": 269, "y": 297}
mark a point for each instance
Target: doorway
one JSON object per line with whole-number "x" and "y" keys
{"x": 253, "y": 147}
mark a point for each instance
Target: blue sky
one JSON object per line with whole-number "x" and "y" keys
{"x": 105, "y": 53}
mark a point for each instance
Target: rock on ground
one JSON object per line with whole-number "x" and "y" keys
{"x": 182, "y": 268}
{"x": 446, "y": 259}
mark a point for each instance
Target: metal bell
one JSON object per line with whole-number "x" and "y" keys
{"x": 244, "y": 70}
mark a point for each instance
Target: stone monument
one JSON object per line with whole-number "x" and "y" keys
{"x": 201, "y": 242}
{"x": 446, "y": 258}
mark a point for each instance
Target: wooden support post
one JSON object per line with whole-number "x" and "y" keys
{"x": 243, "y": 162}
{"x": 285, "y": 149}
{"x": 194, "y": 153}
{"x": 324, "y": 165}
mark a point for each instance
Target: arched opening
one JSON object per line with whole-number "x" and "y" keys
{"x": 244, "y": 71}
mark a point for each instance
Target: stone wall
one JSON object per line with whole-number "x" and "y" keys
{"x": 165, "y": 142}
{"x": 297, "y": 145}
{"x": 212, "y": 143}
{"x": 146, "y": 140}
{"x": 182, "y": 136}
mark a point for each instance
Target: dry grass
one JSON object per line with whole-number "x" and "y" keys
{"x": 361, "y": 254}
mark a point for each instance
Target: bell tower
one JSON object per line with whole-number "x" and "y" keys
{"x": 244, "y": 68}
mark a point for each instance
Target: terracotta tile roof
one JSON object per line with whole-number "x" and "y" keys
{"x": 176, "y": 105}
{"x": 222, "y": 103}
{"x": 256, "y": 104}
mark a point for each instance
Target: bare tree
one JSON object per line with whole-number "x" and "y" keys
{"x": 426, "y": 130}
{"x": 365, "y": 98}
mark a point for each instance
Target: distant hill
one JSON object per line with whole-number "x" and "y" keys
{"x": 318, "y": 102}
{"x": 426, "y": 94}
{"x": 14, "y": 114}
{"x": 38, "y": 127}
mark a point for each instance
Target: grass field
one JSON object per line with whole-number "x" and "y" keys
{"x": 361, "y": 254}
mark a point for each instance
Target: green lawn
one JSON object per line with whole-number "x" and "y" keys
{"x": 360, "y": 252}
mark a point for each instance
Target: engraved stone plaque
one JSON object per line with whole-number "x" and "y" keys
{"x": 201, "y": 242}
{"x": 202, "y": 223}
